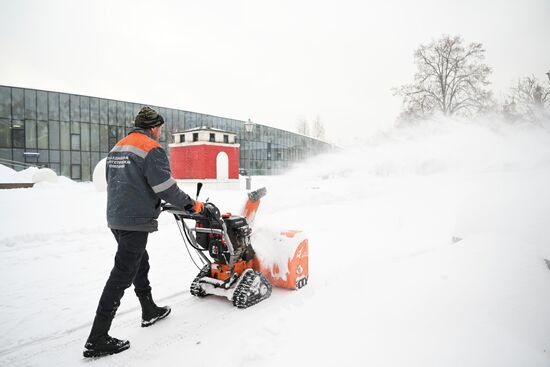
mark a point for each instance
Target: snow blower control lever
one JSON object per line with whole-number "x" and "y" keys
{"x": 199, "y": 187}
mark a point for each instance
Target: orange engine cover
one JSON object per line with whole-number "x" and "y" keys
{"x": 223, "y": 272}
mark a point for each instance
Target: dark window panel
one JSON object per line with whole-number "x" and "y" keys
{"x": 121, "y": 133}
{"x": 129, "y": 116}
{"x": 17, "y": 103}
{"x": 167, "y": 114}
{"x": 75, "y": 171}
{"x": 94, "y": 110}
{"x": 30, "y": 104}
{"x": 55, "y": 156}
{"x": 181, "y": 119}
{"x": 84, "y": 109}
{"x": 112, "y": 112}
{"x": 95, "y": 158}
{"x": 65, "y": 130}
{"x": 86, "y": 167}
{"x": 44, "y": 156}
{"x": 75, "y": 107}
{"x": 18, "y": 156}
{"x": 75, "y": 141}
{"x": 65, "y": 169}
{"x": 5, "y": 154}
{"x": 18, "y": 134}
{"x": 86, "y": 173}
{"x": 94, "y": 138}
{"x": 64, "y": 107}
{"x": 104, "y": 138}
{"x": 120, "y": 113}
{"x": 53, "y": 134}
{"x": 181, "y": 115}
{"x": 85, "y": 137}
{"x": 103, "y": 111}
{"x": 42, "y": 105}
{"x": 65, "y": 157}
{"x": 174, "y": 118}
{"x": 112, "y": 136}
{"x": 171, "y": 122}
{"x": 75, "y": 157}
{"x": 75, "y": 127}
{"x": 5, "y": 102}
{"x": 42, "y": 134}
{"x": 5, "y": 133}
{"x": 30, "y": 134}
{"x": 188, "y": 122}
{"x": 53, "y": 106}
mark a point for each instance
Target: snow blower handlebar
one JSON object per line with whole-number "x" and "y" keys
{"x": 210, "y": 213}
{"x": 180, "y": 213}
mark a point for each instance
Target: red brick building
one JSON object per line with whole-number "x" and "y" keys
{"x": 204, "y": 154}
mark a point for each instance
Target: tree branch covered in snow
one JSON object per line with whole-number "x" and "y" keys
{"x": 451, "y": 78}
{"x": 528, "y": 100}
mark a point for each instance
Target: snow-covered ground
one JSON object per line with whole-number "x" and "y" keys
{"x": 427, "y": 248}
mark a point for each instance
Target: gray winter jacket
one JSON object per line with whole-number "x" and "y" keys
{"x": 138, "y": 177}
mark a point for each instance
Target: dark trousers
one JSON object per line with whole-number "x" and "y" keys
{"x": 131, "y": 266}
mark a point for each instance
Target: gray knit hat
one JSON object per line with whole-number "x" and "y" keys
{"x": 148, "y": 118}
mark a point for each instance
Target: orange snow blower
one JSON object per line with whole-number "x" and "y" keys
{"x": 291, "y": 248}
{"x": 293, "y": 271}
{"x": 234, "y": 271}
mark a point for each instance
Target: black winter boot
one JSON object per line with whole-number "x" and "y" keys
{"x": 150, "y": 312}
{"x": 100, "y": 343}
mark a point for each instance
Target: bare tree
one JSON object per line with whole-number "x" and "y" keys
{"x": 451, "y": 78}
{"x": 318, "y": 128}
{"x": 302, "y": 126}
{"x": 531, "y": 99}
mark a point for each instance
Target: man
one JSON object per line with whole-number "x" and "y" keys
{"x": 138, "y": 177}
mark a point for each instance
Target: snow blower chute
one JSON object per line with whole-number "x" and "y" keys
{"x": 232, "y": 270}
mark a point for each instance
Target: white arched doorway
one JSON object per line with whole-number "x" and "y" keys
{"x": 222, "y": 166}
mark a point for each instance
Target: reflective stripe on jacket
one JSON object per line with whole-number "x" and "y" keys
{"x": 138, "y": 177}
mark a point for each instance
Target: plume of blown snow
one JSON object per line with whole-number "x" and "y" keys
{"x": 442, "y": 145}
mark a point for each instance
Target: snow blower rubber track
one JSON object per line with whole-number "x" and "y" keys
{"x": 253, "y": 288}
{"x": 196, "y": 289}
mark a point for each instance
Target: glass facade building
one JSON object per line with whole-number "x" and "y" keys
{"x": 70, "y": 133}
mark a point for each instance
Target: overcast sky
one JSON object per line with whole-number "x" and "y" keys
{"x": 272, "y": 61}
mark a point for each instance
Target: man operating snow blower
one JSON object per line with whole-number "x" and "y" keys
{"x": 138, "y": 177}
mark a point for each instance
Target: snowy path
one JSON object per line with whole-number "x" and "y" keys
{"x": 388, "y": 286}
{"x": 373, "y": 320}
